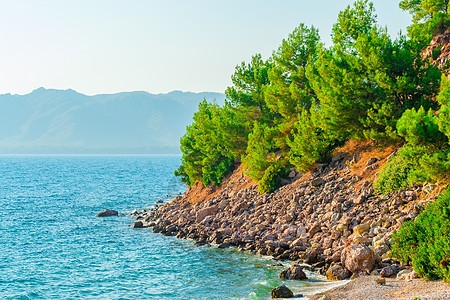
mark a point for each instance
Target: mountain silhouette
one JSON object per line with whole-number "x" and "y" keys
{"x": 49, "y": 121}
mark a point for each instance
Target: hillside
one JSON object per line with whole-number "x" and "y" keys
{"x": 65, "y": 121}
{"x": 329, "y": 218}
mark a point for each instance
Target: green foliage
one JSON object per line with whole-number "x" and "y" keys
{"x": 260, "y": 151}
{"x": 393, "y": 175}
{"x": 289, "y": 91}
{"x": 352, "y": 23}
{"x": 309, "y": 143}
{"x": 444, "y": 111}
{"x": 425, "y": 242}
{"x": 366, "y": 81}
{"x": 272, "y": 178}
{"x": 247, "y": 90}
{"x": 295, "y": 107}
{"x": 429, "y": 18}
{"x": 420, "y": 128}
{"x": 428, "y": 147}
{"x": 204, "y": 158}
{"x": 234, "y": 126}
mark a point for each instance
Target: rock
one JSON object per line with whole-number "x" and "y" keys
{"x": 205, "y": 212}
{"x": 429, "y": 188}
{"x": 338, "y": 272}
{"x": 311, "y": 255}
{"x": 137, "y": 224}
{"x": 338, "y": 157}
{"x": 381, "y": 250}
{"x": 282, "y": 291}
{"x": 360, "y": 229}
{"x": 403, "y": 274}
{"x": 107, "y": 213}
{"x": 412, "y": 275}
{"x": 200, "y": 243}
{"x": 314, "y": 229}
{"x": 388, "y": 271}
{"x": 372, "y": 160}
{"x": 294, "y": 272}
{"x": 380, "y": 281}
{"x": 361, "y": 240}
{"x": 358, "y": 258}
{"x": 224, "y": 245}
{"x": 239, "y": 207}
{"x": 346, "y": 220}
{"x": 317, "y": 182}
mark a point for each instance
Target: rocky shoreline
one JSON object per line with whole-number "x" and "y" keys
{"x": 328, "y": 218}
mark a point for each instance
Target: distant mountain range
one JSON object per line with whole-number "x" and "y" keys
{"x": 49, "y": 121}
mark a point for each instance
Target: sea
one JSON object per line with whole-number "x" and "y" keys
{"x": 52, "y": 246}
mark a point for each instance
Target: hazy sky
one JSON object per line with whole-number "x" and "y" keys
{"x": 107, "y": 46}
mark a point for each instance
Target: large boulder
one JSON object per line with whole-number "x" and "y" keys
{"x": 338, "y": 272}
{"x": 282, "y": 291}
{"x": 107, "y": 213}
{"x": 295, "y": 272}
{"x": 358, "y": 258}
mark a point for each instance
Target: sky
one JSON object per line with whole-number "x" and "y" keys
{"x": 109, "y": 46}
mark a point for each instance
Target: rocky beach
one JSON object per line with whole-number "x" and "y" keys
{"x": 329, "y": 220}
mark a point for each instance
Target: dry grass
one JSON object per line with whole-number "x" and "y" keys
{"x": 364, "y": 150}
{"x": 198, "y": 192}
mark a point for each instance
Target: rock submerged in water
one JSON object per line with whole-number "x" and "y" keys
{"x": 107, "y": 213}
{"x": 282, "y": 291}
{"x": 295, "y": 272}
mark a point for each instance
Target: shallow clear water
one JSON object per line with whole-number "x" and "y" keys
{"x": 51, "y": 246}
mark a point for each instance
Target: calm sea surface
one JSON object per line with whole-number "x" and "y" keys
{"x": 51, "y": 246}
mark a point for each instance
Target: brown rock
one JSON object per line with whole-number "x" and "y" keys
{"x": 137, "y": 224}
{"x": 317, "y": 181}
{"x": 281, "y": 292}
{"x": 372, "y": 160}
{"x": 338, "y": 272}
{"x": 203, "y": 213}
{"x": 389, "y": 271}
{"x": 358, "y": 258}
{"x": 360, "y": 229}
{"x": 107, "y": 213}
{"x": 381, "y": 250}
{"x": 294, "y": 272}
{"x": 314, "y": 229}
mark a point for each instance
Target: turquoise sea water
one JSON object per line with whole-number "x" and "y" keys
{"x": 51, "y": 246}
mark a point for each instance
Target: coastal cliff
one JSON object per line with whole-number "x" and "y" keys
{"x": 329, "y": 217}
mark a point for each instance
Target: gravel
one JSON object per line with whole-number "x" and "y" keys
{"x": 366, "y": 288}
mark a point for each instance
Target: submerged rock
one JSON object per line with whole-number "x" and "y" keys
{"x": 282, "y": 291}
{"x": 107, "y": 213}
